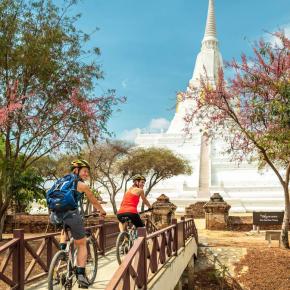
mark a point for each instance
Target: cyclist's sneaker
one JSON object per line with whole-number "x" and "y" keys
{"x": 83, "y": 281}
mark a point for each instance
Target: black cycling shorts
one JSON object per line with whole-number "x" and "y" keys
{"x": 134, "y": 217}
{"x": 73, "y": 220}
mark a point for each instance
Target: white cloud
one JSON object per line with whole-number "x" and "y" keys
{"x": 130, "y": 135}
{"x": 273, "y": 39}
{"x": 159, "y": 124}
{"x": 124, "y": 83}
{"x": 155, "y": 125}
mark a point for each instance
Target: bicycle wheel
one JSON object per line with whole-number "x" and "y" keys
{"x": 123, "y": 245}
{"x": 58, "y": 274}
{"x": 92, "y": 260}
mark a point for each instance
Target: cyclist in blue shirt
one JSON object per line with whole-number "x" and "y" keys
{"x": 74, "y": 221}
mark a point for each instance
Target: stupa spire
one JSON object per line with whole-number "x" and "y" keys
{"x": 210, "y": 29}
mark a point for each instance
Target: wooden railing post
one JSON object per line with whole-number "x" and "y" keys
{"x": 48, "y": 251}
{"x": 18, "y": 266}
{"x": 102, "y": 236}
{"x": 184, "y": 232}
{"x": 174, "y": 222}
{"x": 142, "y": 268}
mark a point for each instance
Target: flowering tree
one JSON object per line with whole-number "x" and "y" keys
{"x": 46, "y": 100}
{"x": 252, "y": 111}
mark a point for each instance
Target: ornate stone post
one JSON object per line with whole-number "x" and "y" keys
{"x": 216, "y": 213}
{"x": 163, "y": 211}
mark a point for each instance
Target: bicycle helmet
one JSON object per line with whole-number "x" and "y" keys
{"x": 79, "y": 163}
{"x": 139, "y": 177}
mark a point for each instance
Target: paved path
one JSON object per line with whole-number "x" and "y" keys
{"x": 106, "y": 268}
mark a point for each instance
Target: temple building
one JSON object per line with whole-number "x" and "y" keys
{"x": 242, "y": 186}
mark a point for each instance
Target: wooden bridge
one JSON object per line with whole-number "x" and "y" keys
{"x": 148, "y": 265}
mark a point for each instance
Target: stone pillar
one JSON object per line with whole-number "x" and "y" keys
{"x": 216, "y": 213}
{"x": 163, "y": 211}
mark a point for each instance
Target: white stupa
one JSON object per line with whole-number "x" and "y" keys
{"x": 242, "y": 186}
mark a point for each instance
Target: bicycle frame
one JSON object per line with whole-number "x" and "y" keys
{"x": 131, "y": 229}
{"x": 71, "y": 253}
{"x": 70, "y": 258}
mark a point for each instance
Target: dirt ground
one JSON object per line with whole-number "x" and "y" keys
{"x": 248, "y": 260}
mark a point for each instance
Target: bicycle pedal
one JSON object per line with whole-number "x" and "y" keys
{"x": 83, "y": 287}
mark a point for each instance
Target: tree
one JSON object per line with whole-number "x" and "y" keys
{"x": 252, "y": 112}
{"x": 114, "y": 163}
{"x": 54, "y": 167}
{"x": 46, "y": 100}
{"x": 156, "y": 164}
{"x": 27, "y": 187}
{"x": 104, "y": 160}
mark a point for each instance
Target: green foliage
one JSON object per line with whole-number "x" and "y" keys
{"x": 48, "y": 73}
{"x": 27, "y": 187}
{"x": 53, "y": 167}
{"x": 40, "y": 46}
{"x": 155, "y": 163}
{"x": 2, "y": 145}
{"x": 96, "y": 193}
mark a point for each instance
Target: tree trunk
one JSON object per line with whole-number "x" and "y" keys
{"x": 285, "y": 224}
{"x": 146, "y": 194}
{"x": 88, "y": 207}
{"x": 3, "y": 213}
{"x": 113, "y": 202}
{"x": 2, "y": 223}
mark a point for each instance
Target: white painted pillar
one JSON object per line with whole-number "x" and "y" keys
{"x": 204, "y": 168}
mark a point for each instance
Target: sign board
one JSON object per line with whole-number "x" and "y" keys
{"x": 268, "y": 218}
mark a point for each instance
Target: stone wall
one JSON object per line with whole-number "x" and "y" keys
{"x": 37, "y": 223}
{"x": 30, "y": 223}
{"x": 195, "y": 210}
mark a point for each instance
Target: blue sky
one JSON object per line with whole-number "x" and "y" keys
{"x": 149, "y": 48}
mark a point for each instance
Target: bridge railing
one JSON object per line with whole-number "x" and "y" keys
{"x": 149, "y": 225}
{"x": 10, "y": 251}
{"x": 27, "y": 259}
{"x": 150, "y": 253}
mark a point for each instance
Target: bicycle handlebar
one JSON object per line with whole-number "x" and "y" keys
{"x": 146, "y": 210}
{"x": 96, "y": 214}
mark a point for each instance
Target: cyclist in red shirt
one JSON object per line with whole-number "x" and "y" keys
{"x": 130, "y": 202}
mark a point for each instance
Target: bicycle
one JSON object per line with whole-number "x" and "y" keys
{"x": 62, "y": 270}
{"x": 125, "y": 239}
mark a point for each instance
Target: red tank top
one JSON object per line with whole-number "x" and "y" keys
{"x": 129, "y": 203}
